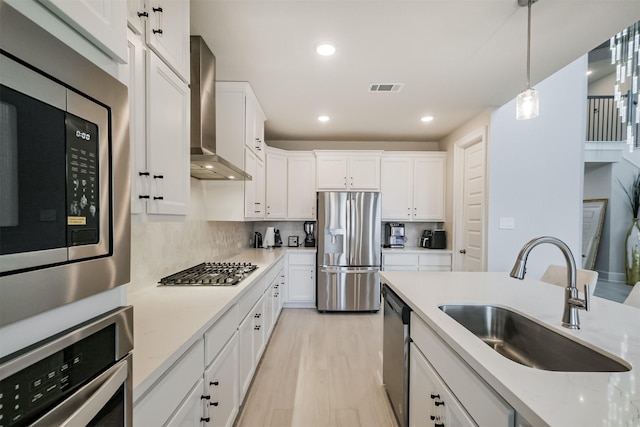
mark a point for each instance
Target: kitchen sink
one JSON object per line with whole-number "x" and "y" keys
{"x": 530, "y": 343}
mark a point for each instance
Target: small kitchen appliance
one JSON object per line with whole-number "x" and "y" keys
{"x": 257, "y": 240}
{"x": 433, "y": 239}
{"x": 277, "y": 240}
{"x": 269, "y": 238}
{"x": 309, "y": 240}
{"x": 394, "y": 235}
{"x": 293, "y": 241}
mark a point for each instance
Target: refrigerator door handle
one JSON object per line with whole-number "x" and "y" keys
{"x": 341, "y": 271}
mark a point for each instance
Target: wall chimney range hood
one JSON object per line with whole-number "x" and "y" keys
{"x": 205, "y": 163}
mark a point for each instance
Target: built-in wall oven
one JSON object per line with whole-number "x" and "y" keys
{"x": 64, "y": 173}
{"x": 80, "y": 377}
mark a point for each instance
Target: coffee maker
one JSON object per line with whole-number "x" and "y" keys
{"x": 394, "y": 235}
{"x": 310, "y": 239}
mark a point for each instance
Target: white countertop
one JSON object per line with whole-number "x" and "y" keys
{"x": 542, "y": 397}
{"x": 169, "y": 319}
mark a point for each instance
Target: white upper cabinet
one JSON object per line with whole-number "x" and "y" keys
{"x": 276, "y": 184}
{"x": 136, "y": 15}
{"x": 102, "y": 22}
{"x": 348, "y": 170}
{"x": 412, "y": 186}
{"x": 165, "y": 24}
{"x": 167, "y": 148}
{"x": 254, "y": 123}
{"x": 301, "y": 185}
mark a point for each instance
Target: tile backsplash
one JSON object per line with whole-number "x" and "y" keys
{"x": 162, "y": 248}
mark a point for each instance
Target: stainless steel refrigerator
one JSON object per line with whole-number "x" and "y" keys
{"x": 348, "y": 262}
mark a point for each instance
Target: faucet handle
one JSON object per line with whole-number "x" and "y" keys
{"x": 587, "y": 297}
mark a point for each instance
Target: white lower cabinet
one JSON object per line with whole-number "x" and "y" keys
{"x": 173, "y": 390}
{"x": 189, "y": 413}
{"x": 206, "y": 385}
{"x": 221, "y": 387}
{"x": 431, "y": 403}
{"x": 301, "y": 280}
{"x": 468, "y": 400}
{"x": 425, "y": 261}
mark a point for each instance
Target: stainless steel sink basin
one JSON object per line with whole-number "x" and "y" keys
{"x": 530, "y": 343}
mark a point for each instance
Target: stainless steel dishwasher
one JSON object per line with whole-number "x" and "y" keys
{"x": 395, "y": 354}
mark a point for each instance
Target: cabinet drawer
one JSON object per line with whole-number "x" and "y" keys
{"x": 166, "y": 395}
{"x": 250, "y": 298}
{"x": 302, "y": 259}
{"x": 218, "y": 335}
{"x": 434, "y": 259}
{"x": 480, "y": 401}
{"x": 400, "y": 259}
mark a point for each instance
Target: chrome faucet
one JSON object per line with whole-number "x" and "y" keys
{"x": 572, "y": 303}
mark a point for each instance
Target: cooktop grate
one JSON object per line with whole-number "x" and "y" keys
{"x": 210, "y": 274}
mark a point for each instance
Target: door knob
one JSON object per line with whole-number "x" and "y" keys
{"x": 463, "y": 251}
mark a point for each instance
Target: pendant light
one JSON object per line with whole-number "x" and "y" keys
{"x": 527, "y": 101}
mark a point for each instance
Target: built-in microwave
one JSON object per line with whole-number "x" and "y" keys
{"x": 64, "y": 173}
{"x": 54, "y": 177}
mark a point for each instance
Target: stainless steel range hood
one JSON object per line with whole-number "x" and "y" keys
{"x": 205, "y": 163}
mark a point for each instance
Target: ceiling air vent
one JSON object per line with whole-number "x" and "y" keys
{"x": 386, "y": 87}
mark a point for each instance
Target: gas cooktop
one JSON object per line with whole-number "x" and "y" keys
{"x": 210, "y": 274}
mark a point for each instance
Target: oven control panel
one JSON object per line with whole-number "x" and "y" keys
{"x": 33, "y": 389}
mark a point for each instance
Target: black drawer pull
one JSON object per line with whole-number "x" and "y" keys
{"x": 213, "y": 383}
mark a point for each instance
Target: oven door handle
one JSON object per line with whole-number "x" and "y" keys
{"x": 83, "y": 405}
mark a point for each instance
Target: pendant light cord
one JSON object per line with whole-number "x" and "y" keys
{"x": 529, "y": 45}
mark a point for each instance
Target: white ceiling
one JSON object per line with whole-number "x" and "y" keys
{"x": 455, "y": 57}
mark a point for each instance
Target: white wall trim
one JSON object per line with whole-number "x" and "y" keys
{"x": 474, "y": 137}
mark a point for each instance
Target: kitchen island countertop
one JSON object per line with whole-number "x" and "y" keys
{"x": 541, "y": 397}
{"x": 170, "y": 319}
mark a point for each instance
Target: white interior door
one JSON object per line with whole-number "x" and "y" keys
{"x": 470, "y": 169}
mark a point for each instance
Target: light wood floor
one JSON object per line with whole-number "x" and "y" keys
{"x": 320, "y": 370}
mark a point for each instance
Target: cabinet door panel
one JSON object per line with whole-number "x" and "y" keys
{"x": 396, "y": 186}
{"x": 430, "y": 401}
{"x": 301, "y": 187}
{"x": 222, "y": 385}
{"x": 364, "y": 173}
{"x": 168, "y": 33}
{"x": 428, "y": 197}
{"x": 103, "y": 22}
{"x": 168, "y": 139}
{"x": 332, "y": 173}
{"x": 190, "y": 412}
{"x": 276, "y": 186}
{"x": 301, "y": 283}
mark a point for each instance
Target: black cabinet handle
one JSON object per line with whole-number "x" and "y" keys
{"x": 157, "y": 198}
{"x": 143, "y": 197}
{"x": 214, "y": 403}
{"x": 435, "y": 396}
{"x": 206, "y": 397}
{"x": 439, "y": 403}
{"x": 206, "y": 420}
{"x": 143, "y": 173}
{"x": 158, "y": 176}
{"x": 438, "y": 425}
{"x": 157, "y": 9}
{"x": 213, "y": 383}
{"x": 157, "y": 31}
{"x": 141, "y": 14}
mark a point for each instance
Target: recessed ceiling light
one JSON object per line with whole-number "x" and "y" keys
{"x": 326, "y": 48}
{"x": 426, "y": 119}
{"x": 209, "y": 167}
{"x": 323, "y": 118}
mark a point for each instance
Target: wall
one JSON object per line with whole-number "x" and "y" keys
{"x": 162, "y": 248}
{"x": 447, "y": 144}
{"x": 536, "y": 170}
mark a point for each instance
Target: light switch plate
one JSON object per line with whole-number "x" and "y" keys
{"x": 507, "y": 223}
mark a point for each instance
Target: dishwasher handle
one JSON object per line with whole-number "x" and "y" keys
{"x": 395, "y": 303}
